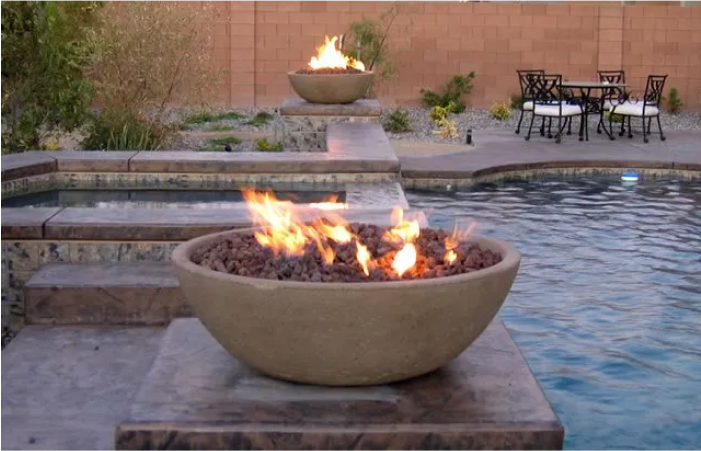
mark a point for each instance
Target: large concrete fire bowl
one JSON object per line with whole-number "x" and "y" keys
{"x": 331, "y": 88}
{"x": 345, "y": 333}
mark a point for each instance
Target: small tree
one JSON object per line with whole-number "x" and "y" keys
{"x": 44, "y": 51}
{"x": 149, "y": 55}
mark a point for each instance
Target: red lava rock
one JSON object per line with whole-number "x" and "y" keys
{"x": 329, "y": 71}
{"x": 242, "y": 255}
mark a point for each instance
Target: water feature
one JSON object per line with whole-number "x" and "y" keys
{"x": 607, "y": 304}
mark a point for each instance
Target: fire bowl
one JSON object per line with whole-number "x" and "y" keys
{"x": 331, "y": 88}
{"x": 344, "y": 334}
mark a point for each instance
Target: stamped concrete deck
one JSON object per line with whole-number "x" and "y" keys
{"x": 502, "y": 151}
{"x": 196, "y": 396}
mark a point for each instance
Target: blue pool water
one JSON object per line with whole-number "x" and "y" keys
{"x": 607, "y": 304}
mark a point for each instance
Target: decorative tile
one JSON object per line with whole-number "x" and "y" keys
{"x": 53, "y": 252}
{"x": 21, "y": 255}
{"x": 93, "y": 252}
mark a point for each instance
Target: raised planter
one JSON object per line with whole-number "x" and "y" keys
{"x": 331, "y": 88}
{"x": 345, "y": 333}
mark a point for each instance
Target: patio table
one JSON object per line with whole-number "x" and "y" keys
{"x": 593, "y": 105}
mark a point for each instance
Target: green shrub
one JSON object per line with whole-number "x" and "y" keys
{"x": 263, "y": 145}
{"x": 439, "y": 113}
{"x": 124, "y": 132}
{"x": 674, "y": 102}
{"x": 516, "y": 101}
{"x": 500, "y": 112}
{"x": 221, "y": 143}
{"x": 219, "y": 128}
{"x": 45, "y": 49}
{"x": 453, "y": 91}
{"x": 200, "y": 117}
{"x": 397, "y": 122}
{"x": 614, "y": 118}
{"x": 259, "y": 119}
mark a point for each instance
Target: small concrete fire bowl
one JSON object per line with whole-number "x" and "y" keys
{"x": 344, "y": 333}
{"x": 331, "y": 88}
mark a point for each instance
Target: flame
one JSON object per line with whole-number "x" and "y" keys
{"x": 454, "y": 240}
{"x": 282, "y": 231}
{"x": 328, "y": 56}
{"x": 405, "y": 259}
{"x": 363, "y": 256}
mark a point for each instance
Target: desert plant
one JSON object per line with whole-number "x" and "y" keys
{"x": 447, "y": 128}
{"x": 674, "y": 102}
{"x": 500, "y": 111}
{"x": 452, "y": 92}
{"x": 148, "y": 56}
{"x": 516, "y": 101}
{"x": 366, "y": 41}
{"x": 124, "y": 131}
{"x": 439, "y": 113}
{"x": 263, "y": 145}
{"x": 219, "y": 128}
{"x": 613, "y": 117}
{"x": 45, "y": 49}
{"x": 397, "y": 122}
{"x": 200, "y": 117}
{"x": 261, "y": 118}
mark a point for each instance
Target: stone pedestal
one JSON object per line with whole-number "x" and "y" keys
{"x": 304, "y": 124}
{"x": 197, "y": 396}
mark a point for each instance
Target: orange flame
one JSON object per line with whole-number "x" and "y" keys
{"x": 283, "y": 231}
{"x": 328, "y": 56}
{"x": 405, "y": 259}
{"x": 363, "y": 256}
{"x": 454, "y": 240}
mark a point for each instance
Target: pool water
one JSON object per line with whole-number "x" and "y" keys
{"x": 607, "y": 304}
{"x": 156, "y": 199}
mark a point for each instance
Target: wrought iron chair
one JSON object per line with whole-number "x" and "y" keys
{"x": 612, "y": 96}
{"x": 645, "y": 108}
{"x": 527, "y": 94}
{"x": 553, "y": 102}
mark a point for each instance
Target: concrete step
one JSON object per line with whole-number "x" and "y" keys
{"x": 142, "y": 293}
{"x": 68, "y": 387}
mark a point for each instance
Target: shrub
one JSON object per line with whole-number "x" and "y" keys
{"x": 147, "y": 56}
{"x": 674, "y": 102}
{"x": 200, "y": 117}
{"x": 447, "y": 128}
{"x": 453, "y": 91}
{"x": 366, "y": 41}
{"x": 500, "y": 112}
{"x": 614, "y": 118}
{"x": 124, "y": 131}
{"x": 218, "y": 128}
{"x": 45, "y": 49}
{"x": 259, "y": 119}
{"x": 397, "y": 122}
{"x": 263, "y": 145}
{"x": 516, "y": 101}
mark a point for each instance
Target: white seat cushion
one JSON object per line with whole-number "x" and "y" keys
{"x": 528, "y": 106}
{"x": 634, "y": 109}
{"x": 554, "y": 110}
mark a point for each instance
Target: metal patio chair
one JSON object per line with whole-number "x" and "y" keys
{"x": 527, "y": 94}
{"x": 612, "y": 96}
{"x": 646, "y": 108}
{"x": 553, "y": 102}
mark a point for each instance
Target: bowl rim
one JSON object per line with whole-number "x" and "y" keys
{"x": 511, "y": 257}
{"x": 361, "y": 74}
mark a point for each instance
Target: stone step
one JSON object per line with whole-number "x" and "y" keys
{"x": 141, "y": 293}
{"x": 68, "y": 387}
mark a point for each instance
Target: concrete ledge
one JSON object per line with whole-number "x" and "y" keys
{"x": 25, "y": 223}
{"x": 197, "y": 396}
{"x": 95, "y": 161}
{"x": 300, "y": 107}
{"x": 368, "y": 141}
{"x": 21, "y": 165}
{"x": 139, "y": 293}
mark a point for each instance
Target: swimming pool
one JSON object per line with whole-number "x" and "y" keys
{"x": 607, "y": 304}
